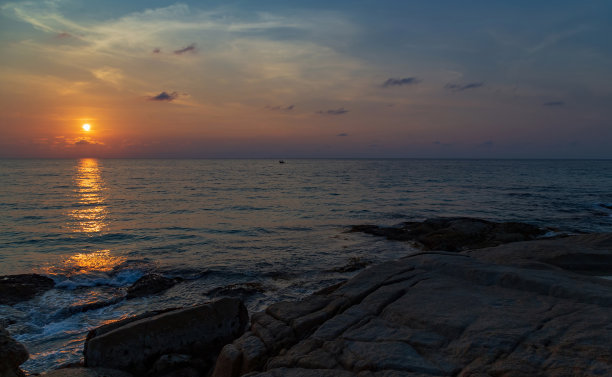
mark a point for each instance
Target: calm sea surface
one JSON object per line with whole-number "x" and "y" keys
{"x": 96, "y": 226}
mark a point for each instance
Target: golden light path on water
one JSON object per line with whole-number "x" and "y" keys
{"x": 88, "y": 218}
{"x": 91, "y": 212}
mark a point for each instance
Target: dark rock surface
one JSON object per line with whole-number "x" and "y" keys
{"x": 150, "y": 284}
{"x": 512, "y": 310}
{"x": 85, "y": 372}
{"x": 12, "y": 355}
{"x": 354, "y": 264}
{"x": 237, "y": 290}
{"x": 17, "y": 288}
{"x": 455, "y": 233}
{"x": 134, "y": 345}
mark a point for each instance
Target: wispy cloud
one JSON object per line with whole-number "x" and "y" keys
{"x": 164, "y": 96}
{"x": 80, "y": 142}
{"x": 554, "y": 104}
{"x": 400, "y": 82}
{"x": 462, "y": 87}
{"x": 281, "y": 108}
{"x": 190, "y": 48}
{"x": 343, "y": 134}
{"x": 108, "y": 74}
{"x": 339, "y": 111}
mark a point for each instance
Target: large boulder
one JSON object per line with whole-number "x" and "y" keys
{"x": 17, "y": 288}
{"x": 455, "y": 233}
{"x": 134, "y": 345}
{"x": 12, "y": 355}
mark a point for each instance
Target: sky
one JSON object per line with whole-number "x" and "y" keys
{"x": 320, "y": 79}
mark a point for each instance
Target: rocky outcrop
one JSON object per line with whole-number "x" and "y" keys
{"x": 455, "y": 233}
{"x": 480, "y": 313}
{"x": 12, "y": 355}
{"x": 17, "y": 288}
{"x": 136, "y": 344}
{"x": 150, "y": 284}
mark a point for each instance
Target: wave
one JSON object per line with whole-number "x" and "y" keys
{"x": 95, "y": 279}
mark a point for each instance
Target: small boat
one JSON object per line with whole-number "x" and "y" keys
{"x": 281, "y": 161}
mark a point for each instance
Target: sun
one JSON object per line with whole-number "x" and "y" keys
{"x": 86, "y": 127}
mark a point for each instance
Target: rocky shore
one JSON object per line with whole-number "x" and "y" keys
{"x": 469, "y": 304}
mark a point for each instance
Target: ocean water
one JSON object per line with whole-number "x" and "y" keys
{"x": 96, "y": 226}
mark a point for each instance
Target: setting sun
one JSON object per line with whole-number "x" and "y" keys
{"x": 86, "y": 127}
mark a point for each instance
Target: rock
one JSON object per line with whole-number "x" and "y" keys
{"x": 12, "y": 355}
{"x": 85, "y": 372}
{"x": 511, "y": 310}
{"x": 455, "y": 233}
{"x": 149, "y": 284}
{"x": 17, "y": 288}
{"x": 81, "y": 308}
{"x": 172, "y": 361}
{"x": 199, "y": 331}
{"x": 354, "y": 264}
{"x": 589, "y": 254}
{"x": 242, "y": 290}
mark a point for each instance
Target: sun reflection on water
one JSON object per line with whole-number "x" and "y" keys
{"x": 83, "y": 263}
{"x": 91, "y": 212}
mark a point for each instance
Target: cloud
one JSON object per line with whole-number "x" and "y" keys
{"x": 190, "y": 48}
{"x": 163, "y": 96}
{"x": 63, "y": 35}
{"x": 339, "y": 111}
{"x": 82, "y": 142}
{"x": 343, "y": 134}
{"x": 400, "y": 82}
{"x": 156, "y": 50}
{"x": 462, "y": 87}
{"x": 280, "y": 108}
{"x": 554, "y": 104}
{"x": 108, "y": 74}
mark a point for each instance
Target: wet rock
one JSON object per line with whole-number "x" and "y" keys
{"x": 17, "y": 288}
{"x": 354, "y": 264}
{"x": 455, "y": 233}
{"x": 81, "y": 308}
{"x": 135, "y": 345}
{"x": 12, "y": 355}
{"x": 86, "y": 372}
{"x": 150, "y": 284}
{"x": 242, "y": 290}
{"x": 485, "y": 312}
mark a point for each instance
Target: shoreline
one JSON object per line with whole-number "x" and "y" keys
{"x": 319, "y": 338}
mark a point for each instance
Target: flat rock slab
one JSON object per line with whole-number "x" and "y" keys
{"x": 443, "y": 314}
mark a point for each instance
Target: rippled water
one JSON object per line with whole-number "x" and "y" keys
{"x": 96, "y": 226}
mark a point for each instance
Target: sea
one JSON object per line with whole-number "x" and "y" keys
{"x": 273, "y": 231}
